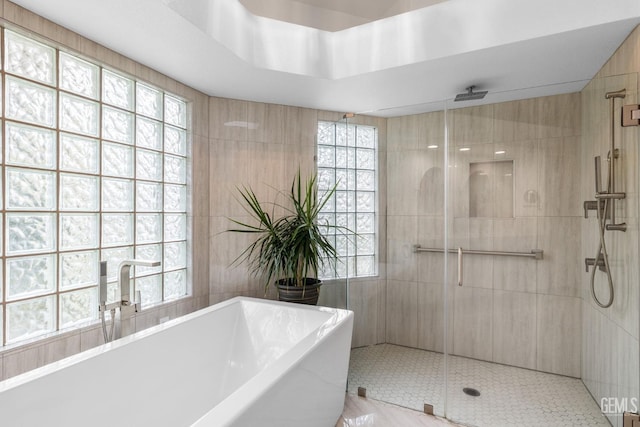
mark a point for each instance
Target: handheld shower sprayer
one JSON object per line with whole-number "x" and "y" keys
{"x": 605, "y": 209}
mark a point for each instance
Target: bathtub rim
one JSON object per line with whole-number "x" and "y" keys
{"x": 247, "y": 393}
{"x": 340, "y": 315}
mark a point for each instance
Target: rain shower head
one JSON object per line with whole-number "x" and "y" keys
{"x": 470, "y": 95}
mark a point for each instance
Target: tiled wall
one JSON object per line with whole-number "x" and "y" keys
{"x": 514, "y": 311}
{"x": 262, "y": 146}
{"x": 610, "y": 337}
{"x": 16, "y": 360}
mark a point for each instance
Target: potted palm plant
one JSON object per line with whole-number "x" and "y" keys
{"x": 289, "y": 250}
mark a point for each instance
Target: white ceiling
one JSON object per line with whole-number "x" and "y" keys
{"x": 332, "y": 15}
{"x": 401, "y": 64}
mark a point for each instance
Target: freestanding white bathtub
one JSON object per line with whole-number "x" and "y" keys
{"x": 243, "y": 362}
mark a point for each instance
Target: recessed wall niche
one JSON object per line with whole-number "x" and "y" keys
{"x": 491, "y": 189}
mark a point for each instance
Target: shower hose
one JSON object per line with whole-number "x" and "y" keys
{"x": 108, "y": 337}
{"x": 602, "y": 251}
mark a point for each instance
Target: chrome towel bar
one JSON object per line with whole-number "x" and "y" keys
{"x": 535, "y": 253}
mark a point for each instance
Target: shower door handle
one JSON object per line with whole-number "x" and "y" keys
{"x": 459, "y": 266}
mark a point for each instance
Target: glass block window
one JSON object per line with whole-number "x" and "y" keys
{"x": 347, "y": 158}
{"x": 93, "y": 167}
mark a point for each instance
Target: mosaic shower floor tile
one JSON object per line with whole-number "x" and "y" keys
{"x": 509, "y": 396}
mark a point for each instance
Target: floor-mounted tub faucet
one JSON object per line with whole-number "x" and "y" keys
{"x": 125, "y": 282}
{"x": 121, "y": 323}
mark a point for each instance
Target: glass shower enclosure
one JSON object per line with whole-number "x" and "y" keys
{"x": 485, "y": 244}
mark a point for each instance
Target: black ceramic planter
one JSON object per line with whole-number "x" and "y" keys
{"x": 307, "y": 294}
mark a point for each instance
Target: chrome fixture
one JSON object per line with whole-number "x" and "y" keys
{"x": 604, "y": 205}
{"x": 537, "y": 254}
{"x": 120, "y": 325}
{"x": 103, "y": 307}
{"x": 125, "y": 283}
{"x": 129, "y": 305}
{"x": 470, "y": 95}
{"x": 534, "y": 253}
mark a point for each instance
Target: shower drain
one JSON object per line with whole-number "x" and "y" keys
{"x": 471, "y": 391}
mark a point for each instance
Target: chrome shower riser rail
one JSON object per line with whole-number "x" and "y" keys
{"x": 535, "y": 253}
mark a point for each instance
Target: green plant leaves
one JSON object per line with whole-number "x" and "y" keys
{"x": 292, "y": 246}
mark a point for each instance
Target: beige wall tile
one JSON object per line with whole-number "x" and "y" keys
{"x": 559, "y": 177}
{"x": 402, "y": 313}
{"x": 267, "y": 122}
{"x": 58, "y": 349}
{"x": 199, "y": 110}
{"x": 460, "y": 163}
{"x": 472, "y": 324}
{"x": 471, "y": 126}
{"x": 333, "y": 294}
{"x": 628, "y": 376}
{"x": 515, "y": 121}
{"x": 329, "y": 116}
{"x": 431, "y": 265}
{"x": 559, "y": 116}
{"x": 300, "y": 126}
{"x": 381, "y": 325}
{"x": 200, "y": 176}
{"x": 406, "y": 172}
{"x": 478, "y": 269}
{"x": 187, "y": 305}
{"x": 200, "y": 255}
{"x": 91, "y": 337}
{"x": 623, "y": 258}
{"x": 299, "y": 156}
{"x": 363, "y": 300}
{"x": 515, "y": 235}
{"x": 431, "y": 316}
{"x": 228, "y": 119}
{"x": 228, "y": 170}
{"x": 431, "y": 179}
{"x": 402, "y": 233}
{"x": 514, "y": 328}
{"x": 559, "y": 272}
{"x": 268, "y": 175}
{"x": 558, "y": 335}
{"x": 590, "y": 348}
{"x": 415, "y": 132}
{"x": 153, "y": 77}
{"x": 22, "y": 360}
{"x": 224, "y": 248}
{"x": 524, "y": 156}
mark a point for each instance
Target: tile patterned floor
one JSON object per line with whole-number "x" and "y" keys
{"x": 509, "y": 396}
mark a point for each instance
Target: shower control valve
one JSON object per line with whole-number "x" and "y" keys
{"x": 592, "y": 205}
{"x": 592, "y": 261}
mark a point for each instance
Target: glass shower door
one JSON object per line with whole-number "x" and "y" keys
{"x": 405, "y": 367}
{"x": 515, "y": 302}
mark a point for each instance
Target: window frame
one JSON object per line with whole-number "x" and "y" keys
{"x": 345, "y": 137}
{"x": 183, "y": 124}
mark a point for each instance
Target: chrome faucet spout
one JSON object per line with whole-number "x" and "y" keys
{"x": 123, "y": 274}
